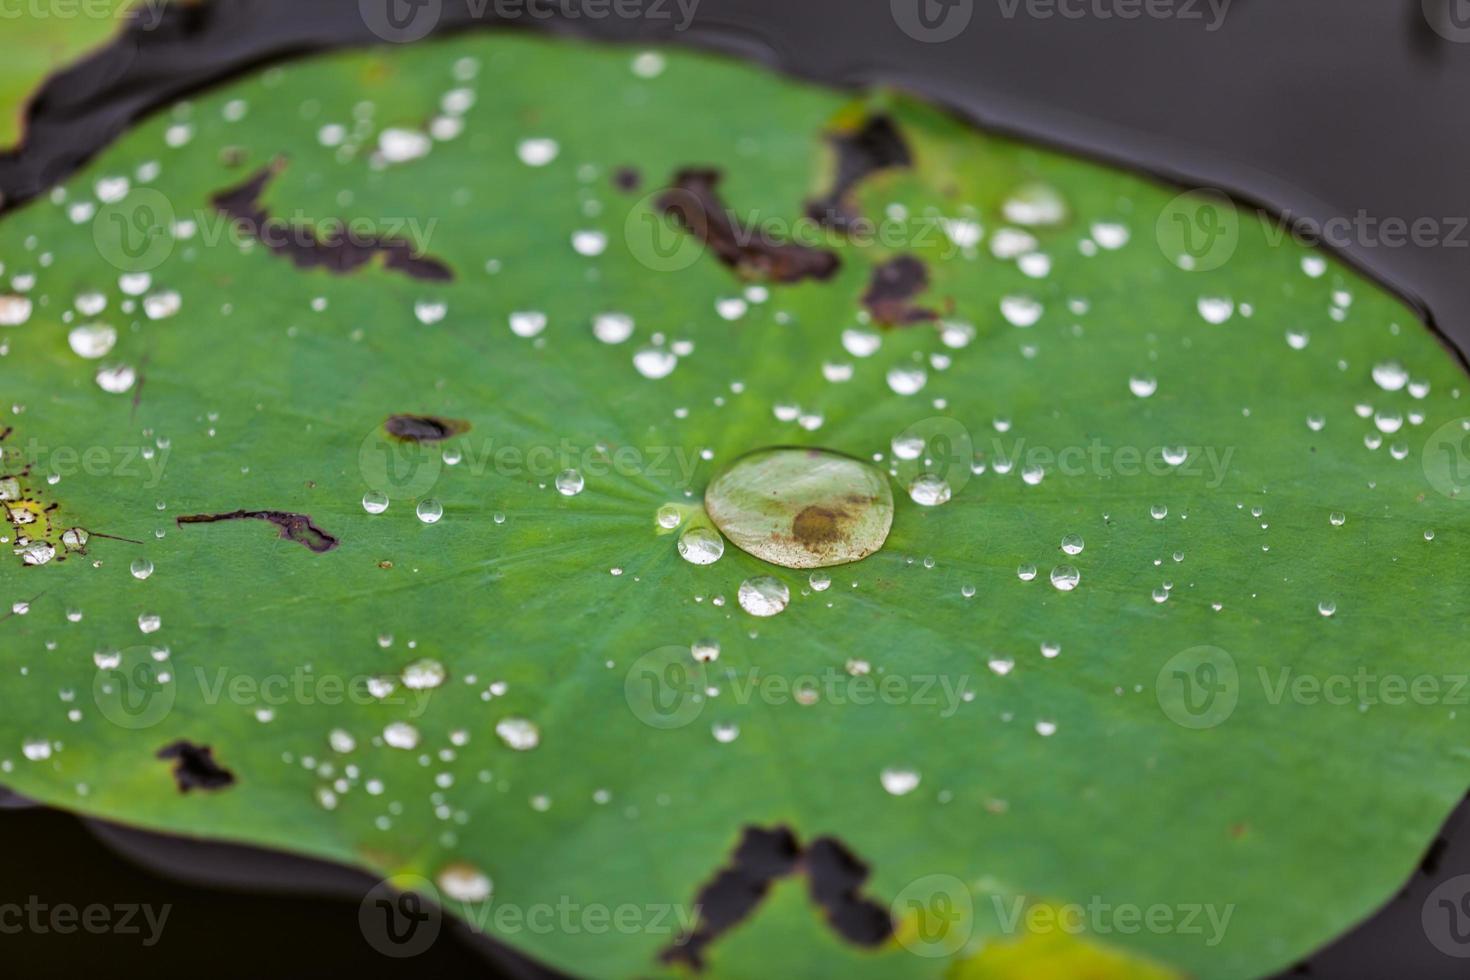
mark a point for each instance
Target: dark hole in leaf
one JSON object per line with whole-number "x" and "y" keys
{"x": 760, "y": 858}
{"x": 892, "y": 289}
{"x": 875, "y": 145}
{"x": 835, "y": 876}
{"x": 423, "y": 428}
{"x": 294, "y": 527}
{"x": 328, "y": 248}
{"x": 751, "y": 252}
{"x": 195, "y": 768}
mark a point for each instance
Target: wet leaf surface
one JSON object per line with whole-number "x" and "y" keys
{"x": 1145, "y": 519}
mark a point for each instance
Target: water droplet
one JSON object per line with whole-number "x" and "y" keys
{"x": 1390, "y": 375}
{"x": 569, "y": 483}
{"x": 1072, "y": 544}
{"x": 375, "y": 501}
{"x": 1297, "y": 339}
{"x": 1032, "y": 474}
{"x": 1034, "y": 204}
{"x": 701, "y": 546}
{"x": 655, "y": 362}
{"x": 612, "y": 328}
{"x": 899, "y": 781}
{"x": 1143, "y": 385}
{"x": 429, "y": 312}
{"x": 1051, "y": 650}
{"x": 464, "y": 882}
{"x": 1020, "y": 311}
{"x": 904, "y": 380}
{"x": 725, "y": 732}
{"x": 1326, "y": 607}
{"x": 1001, "y": 665}
{"x": 341, "y": 740}
{"x": 161, "y": 306}
{"x": 1065, "y": 577}
{"x": 1175, "y": 455}
{"x": 589, "y": 243}
{"x": 802, "y": 508}
{"x": 116, "y": 380}
{"x": 861, "y": 343}
{"x": 36, "y": 749}
{"x": 527, "y": 323}
{"x": 149, "y": 622}
{"x": 705, "y": 651}
{"x": 1215, "y": 309}
{"x": 537, "y": 152}
{"x": 141, "y": 568}
{"x": 929, "y": 490}
{"x": 424, "y": 674}
{"x": 820, "y": 581}
{"x": 401, "y": 735}
{"x": 1025, "y": 572}
{"x": 518, "y": 733}
{"x": 763, "y": 595}
{"x": 1046, "y": 729}
{"x": 669, "y": 516}
{"x": 1158, "y": 512}
{"x": 92, "y": 340}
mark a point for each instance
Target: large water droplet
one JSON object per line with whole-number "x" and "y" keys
{"x": 802, "y": 508}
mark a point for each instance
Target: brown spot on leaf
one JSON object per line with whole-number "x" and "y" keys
{"x": 751, "y": 252}
{"x": 424, "y": 428}
{"x": 294, "y": 527}
{"x": 834, "y": 876}
{"x": 195, "y": 768}
{"x": 627, "y": 179}
{"x": 892, "y": 289}
{"x": 873, "y": 146}
{"x": 817, "y": 526}
{"x": 328, "y": 248}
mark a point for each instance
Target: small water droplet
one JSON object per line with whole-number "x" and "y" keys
{"x": 1072, "y": 544}
{"x": 899, "y": 781}
{"x": 401, "y": 735}
{"x": 929, "y": 490}
{"x": 429, "y": 510}
{"x": 518, "y": 733}
{"x": 1065, "y": 578}
{"x": 141, "y": 568}
{"x": 569, "y": 483}
{"x": 375, "y": 501}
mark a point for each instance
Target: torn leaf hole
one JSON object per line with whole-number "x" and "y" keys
{"x": 294, "y": 527}
{"x": 874, "y": 146}
{"x": 834, "y": 875}
{"x": 327, "y": 246}
{"x": 195, "y": 768}
{"x": 696, "y": 205}
{"x": 424, "y": 428}
{"x": 891, "y": 291}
